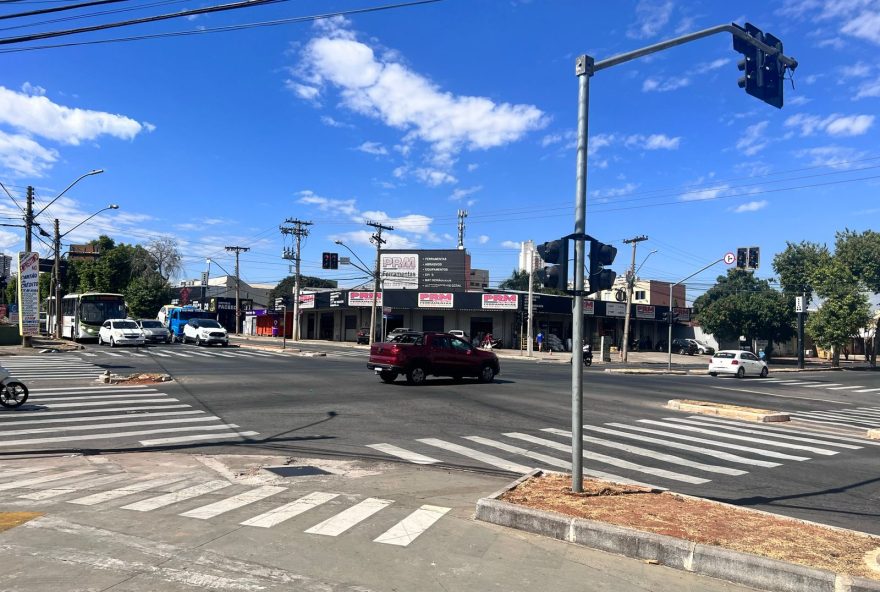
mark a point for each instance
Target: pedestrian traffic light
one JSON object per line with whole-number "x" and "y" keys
{"x": 555, "y": 257}
{"x": 754, "y": 256}
{"x": 742, "y": 257}
{"x": 600, "y": 256}
{"x": 330, "y": 261}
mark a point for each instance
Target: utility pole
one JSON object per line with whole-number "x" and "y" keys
{"x": 299, "y": 231}
{"x": 529, "y": 351}
{"x": 630, "y": 281}
{"x": 237, "y": 251}
{"x": 57, "y": 273}
{"x": 28, "y": 239}
{"x": 462, "y": 214}
{"x": 801, "y": 308}
{"x": 377, "y": 238}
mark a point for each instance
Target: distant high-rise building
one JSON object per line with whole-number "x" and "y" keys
{"x": 526, "y": 254}
{"x": 5, "y": 265}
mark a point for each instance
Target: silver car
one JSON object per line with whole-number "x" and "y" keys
{"x": 154, "y": 330}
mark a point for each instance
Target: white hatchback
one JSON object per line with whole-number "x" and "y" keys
{"x": 738, "y": 363}
{"x": 120, "y": 332}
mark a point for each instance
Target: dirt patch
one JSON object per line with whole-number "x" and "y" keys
{"x": 143, "y": 379}
{"x": 701, "y": 521}
{"x": 12, "y": 519}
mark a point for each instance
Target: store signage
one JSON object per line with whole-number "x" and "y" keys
{"x": 364, "y": 299}
{"x": 615, "y": 309}
{"x": 399, "y": 271}
{"x": 29, "y": 293}
{"x": 684, "y": 314}
{"x": 336, "y": 300}
{"x": 501, "y": 301}
{"x": 306, "y": 300}
{"x": 435, "y": 299}
{"x": 645, "y": 311}
{"x": 589, "y": 307}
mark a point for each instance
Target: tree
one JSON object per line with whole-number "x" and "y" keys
{"x": 519, "y": 280}
{"x": 796, "y": 264}
{"x": 167, "y": 256}
{"x": 845, "y": 308}
{"x": 861, "y": 254}
{"x": 146, "y": 294}
{"x": 741, "y": 304}
{"x": 12, "y": 290}
{"x": 285, "y": 286}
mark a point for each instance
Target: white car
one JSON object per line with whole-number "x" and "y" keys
{"x": 205, "y": 331}
{"x": 461, "y": 334}
{"x": 738, "y": 363}
{"x": 120, "y": 332}
{"x": 154, "y": 330}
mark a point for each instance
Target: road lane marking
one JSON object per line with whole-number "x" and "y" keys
{"x": 672, "y": 459}
{"x": 79, "y": 437}
{"x": 164, "y": 399}
{"x": 870, "y": 390}
{"x": 477, "y": 455}
{"x": 823, "y": 384}
{"x": 610, "y": 460}
{"x": 782, "y": 436}
{"x": 716, "y": 433}
{"x": 199, "y": 438}
{"x": 71, "y": 488}
{"x": 413, "y": 457}
{"x": 845, "y": 388}
{"x": 100, "y": 426}
{"x": 290, "y": 510}
{"x": 336, "y": 525}
{"x": 83, "y": 393}
{"x": 699, "y": 450}
{"x": 548, "y": 460}
{"x": 836, "y": 416}
{"x": 758, "y": 451}
{"x": 826, "y": 421}
{"x": 91, "y": 389}
{"x": 160, "y": 354}
{"x": 167, "y": 499}
{"x": 40, "y": 420}
{"x": 23, "y": 483}
{"x": 766, "y": 394}
{"x": 852, "y": 414}
{"x": 409, "y": 529}
{"x": 42, "y": 414}
{"x": 803, "y": 430}
{"x": 59, "y": 397}
{"x": 234, "y": 502}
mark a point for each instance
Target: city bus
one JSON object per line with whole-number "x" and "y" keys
{"x": 83, "y": 314}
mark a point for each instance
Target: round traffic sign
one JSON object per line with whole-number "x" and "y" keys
{"x": 729, "y": 258}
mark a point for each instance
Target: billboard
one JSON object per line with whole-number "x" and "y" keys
{"x": 645, "y": 311}
{"x": 589, "y": 307}
{"x": 29, "y": 293}
{"x": 439, "y": 269}
{"x": 684, "y": 314}
{"x": 364, "y": 299}
{"x": 500, "y": 301}
{"x": 435, "y": 299}
{"x": 615, "y": 309}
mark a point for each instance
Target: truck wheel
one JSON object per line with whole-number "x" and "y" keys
{"x": 387, "y": 376}
{"x": 487, "y": 374}
{"x": 416, "y": 375}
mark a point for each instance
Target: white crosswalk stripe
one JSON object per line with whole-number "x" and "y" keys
{"x": 829, "y": 422}
{"x": 80, "y": 484}
{"x": 779, "y": 429}
{"x": 24, "y": 483}
{"x": 233, "y": 503}
{"x": 845, "y": 388}
{"x": 413, "y": 526}
{"x": 869, "y": 390}
{"x": 346, "y": 519}
{"x": 477, "y": 455}
{"x": 121, "y": 416}
{"x": 290, "y": 510}
{"x": 413, "y": 457}
{"x": 143, "y": 484}
{"x": 175, "y": 497}
{"x": 781, "y": 436}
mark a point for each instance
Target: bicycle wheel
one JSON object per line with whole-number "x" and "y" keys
{"x": 14, "y": 394}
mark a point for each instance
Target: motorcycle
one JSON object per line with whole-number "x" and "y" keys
{"x": 12, "y": 392}
{"x": 490, "y": 343}
{"x": 588, "y": 356}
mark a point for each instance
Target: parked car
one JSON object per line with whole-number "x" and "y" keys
{"x": 418, "y": 355}
{"x": 684, "y": 346}
{"x": 154, "y": 330}
{"x": 702, "y": 348}
{"x": 460, "y": 334}
{"x": 205, "y": 331}
{"x": 395, "y": 333}
{"x": 120, "y": 332}
{"x": 739, "y": 363}
{"x": 363, "y": 336}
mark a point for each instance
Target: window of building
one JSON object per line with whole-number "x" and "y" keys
{"x": 640, "y": 294}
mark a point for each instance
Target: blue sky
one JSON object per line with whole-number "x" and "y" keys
{"x": 405, "y": 116}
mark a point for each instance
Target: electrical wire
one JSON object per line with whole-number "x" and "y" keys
{"x": 59, "y": 8}
{"x": 91, "y": 15}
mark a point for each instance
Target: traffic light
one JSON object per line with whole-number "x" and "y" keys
{"x": 754, "y": 256}
{"x": 670, "y": 317}
{"x": 600, "y": 256}
{"x": 330, "y": 261}
{"x": 742, "y": 257}
{"x": 555, "y": 256}
{"x": 763, "y": 73}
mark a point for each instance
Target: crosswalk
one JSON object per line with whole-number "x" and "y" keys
{"x": 319, "y": 513}
{"x": 816, "y": 384}
{"x": 851, "y": 417}
{"x": 49, "y": 367}
{"x": 112, "y": 415}
{"x": 671, "y": 451}
{"x": 181, "y": 351}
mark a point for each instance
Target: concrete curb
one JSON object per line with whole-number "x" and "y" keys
{"x": 731, "y": 411}
{"x": 732, "y": 566}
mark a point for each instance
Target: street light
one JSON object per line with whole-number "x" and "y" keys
{"x": 57, "y": 267}
{"x": 643, "y": 262}
{"x": 57, "y": 197}
{"x": 671, "y": 317}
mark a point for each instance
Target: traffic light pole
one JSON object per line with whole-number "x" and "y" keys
{"x": 671, "y": 317}
{"x": 629, "y": 293}
{"x": 585, "y": 67}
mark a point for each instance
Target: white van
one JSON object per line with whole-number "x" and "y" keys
{"x": 163, "y": 313}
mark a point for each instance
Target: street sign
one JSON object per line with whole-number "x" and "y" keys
{"x": 799, "y": 304}
{"x": 204, "y": 278}
{"x": 729, "y": 258}
{"x": 345, "y": 261}
{"x": 386, "y": 310}
{"x": 279, "y": 302}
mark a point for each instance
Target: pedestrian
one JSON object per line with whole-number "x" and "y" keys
{"x": 762, "y": 354}
{"x": 540, "y": 340}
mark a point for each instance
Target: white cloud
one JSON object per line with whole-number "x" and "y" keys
{"x": 37, "y": 115}
{"x": 32, "y": 89}
{"x": 598, "y": 142}
{"x": 838, "y": 157}
{"x": 652, "y": 142}
{"x": 707, "y": 193}
{"x": 752, "y": 206}
{"x": 472, "y": 167}
{"x": 868, "y": 89}
{"x": 23, "y": 156}
{"x": 434, "y": 177}
{"x": 713, "y": 65}
{"x": 857, "y": 70}
{"x": 303, "y": 91}
{"x": 342, "y": 206}
{"x": 625, "y": 189}
{"x": 483, "y": 239}
{"x": 661, "y": 85}
{"x": 374, "y": 148}
{"x": 461, "y": 193}
{"x": 797, "y": 100}
{"x": 511, "y": 245}
{"x": 864, "y": 26}
{"x": 754, "y": 140}
{"x": 384, "y": 88}
{"x": 362, "y": 237}
{"x": 833, "y": 125}
{"x": 651, "y": 18}
{"x": 329, "y": 121}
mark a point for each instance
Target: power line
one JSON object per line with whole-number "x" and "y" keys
{"x": 91, "y": 15}
{"x": 59, "y": 8}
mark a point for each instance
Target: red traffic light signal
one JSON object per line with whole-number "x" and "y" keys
{"x": 330, "y": 261}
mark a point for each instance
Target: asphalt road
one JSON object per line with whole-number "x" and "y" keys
{"x": 817, "y": 468}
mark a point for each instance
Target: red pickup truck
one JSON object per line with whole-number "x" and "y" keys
{"x": 418, "y": 355}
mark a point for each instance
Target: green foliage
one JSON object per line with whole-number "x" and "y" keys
{"x": 861, "y": 254}
{"x": 845, "y": 308}
{"x": 519, "y": 280}
{"x": 285, "y": 286}
{"x": 741, "y": 304}
{"x": 146, "y": 294}
{"x": 12, "y": 290}
{"x": 796, "y": 264}
{"x": 45, "y": 286}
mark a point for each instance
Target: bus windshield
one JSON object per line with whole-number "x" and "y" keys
{"x": 95, "y": 312}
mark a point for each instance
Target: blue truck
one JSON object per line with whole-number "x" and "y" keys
{"x": 176, "y": 318}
